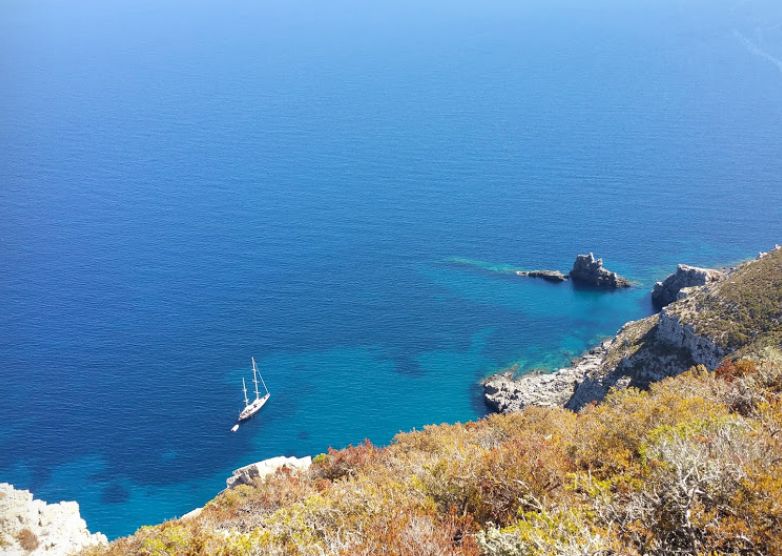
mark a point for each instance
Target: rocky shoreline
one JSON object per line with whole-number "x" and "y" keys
{"x": 505, "y": 393}
{"x": 642, "y": 352}
{"x": 30, "y": 527}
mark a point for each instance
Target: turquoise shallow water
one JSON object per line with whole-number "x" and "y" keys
{"x": 341, "y": 190}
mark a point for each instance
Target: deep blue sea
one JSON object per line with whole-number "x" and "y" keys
{"x": 340, "y": 189}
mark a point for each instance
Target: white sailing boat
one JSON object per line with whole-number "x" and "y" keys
{"x": 251, "y": 408}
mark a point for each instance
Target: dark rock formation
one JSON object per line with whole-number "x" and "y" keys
{"x": 590, "y": 271}
{"x": 548, "y": 275}
{"x": 667, "y": 291}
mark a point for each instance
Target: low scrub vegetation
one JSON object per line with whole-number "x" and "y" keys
{"x": 691, "y": 466}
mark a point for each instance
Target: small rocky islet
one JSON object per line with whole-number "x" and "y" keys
{"x": 548, "y": 275}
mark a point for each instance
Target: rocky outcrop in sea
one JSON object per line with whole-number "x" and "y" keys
{"x": 589, "y": 271}
{"x": 548, "y": 275}
{"x": 667, "y": 291}
{"x": 30, "y": 527}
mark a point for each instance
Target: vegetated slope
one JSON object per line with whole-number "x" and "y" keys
{"x": 693, "y": 465}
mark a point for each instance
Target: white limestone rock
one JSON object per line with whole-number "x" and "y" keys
{"x": 672, "y": 332}
{"x": 249, "y": 473}
{"x": 31, "y": 527}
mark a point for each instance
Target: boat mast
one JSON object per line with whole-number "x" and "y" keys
{"x": 244, "y": 388}
{"x": 262, "y": 382}
{"x": 255, "y": 379}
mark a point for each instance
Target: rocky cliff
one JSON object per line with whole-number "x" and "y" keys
{"x": 675, "y": 333}
{"x": 731, "y": 313}
{"x": 686, "y": 276}
{"x": 31, "y": 527}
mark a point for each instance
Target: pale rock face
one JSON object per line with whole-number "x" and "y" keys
{"x": 703, "y": 350}
{"x": 56, "y": 529}
{"x": 246, "y": 475}
{"x": 684, "y": 293}
{"x": 686, "y": 276}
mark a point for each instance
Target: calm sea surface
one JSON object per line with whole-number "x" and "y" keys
{"x": 339, "y": 189}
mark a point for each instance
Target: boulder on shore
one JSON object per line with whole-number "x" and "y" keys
{"x": 548, "y": 275}
{"x": 589, "y": 271}
{"x": 686, "y": 276}
{"x": 249, "y": 473}
{"x": 34, "y": 528}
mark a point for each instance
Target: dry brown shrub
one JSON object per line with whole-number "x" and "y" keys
{"x": 524, "y": 474}
{"x": 27, "y": 540}
{"x": 730, "y": 370}
{"x": 246, "y": 507}
{"x": 403, "y": 534}
{"x": 347, "y": 462}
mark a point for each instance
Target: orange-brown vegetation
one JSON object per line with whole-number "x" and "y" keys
{"x": 27, "y": 540}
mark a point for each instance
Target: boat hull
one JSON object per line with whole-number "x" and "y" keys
{"x": 253, "y": 408}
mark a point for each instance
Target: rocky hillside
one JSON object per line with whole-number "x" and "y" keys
{"x": 689, "y": 465}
